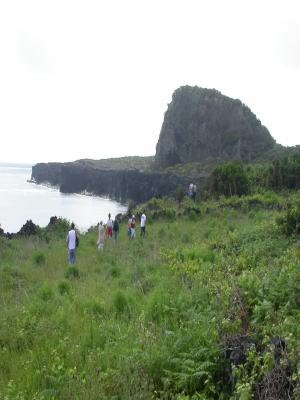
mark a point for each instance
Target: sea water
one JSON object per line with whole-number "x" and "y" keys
{"x": 21, "y": 200}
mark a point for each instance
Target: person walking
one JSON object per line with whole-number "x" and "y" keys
{"x": 194, "y": 192}
{"x": 190, "y": 190}
{"x": 101, "y": 236}
{"x": 143, "y": 224}
{"x": 116, "y": 228}
{"x": 109, "y": 226}
{"x": 129, "y": 227}
{"x": 132, "y": 228}
{"x": 72, "y": 242}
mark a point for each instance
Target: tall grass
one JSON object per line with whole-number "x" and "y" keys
{"x": 147, "y": 319}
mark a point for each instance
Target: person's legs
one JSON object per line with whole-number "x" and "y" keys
{"x": 72, "y": 256}
{"x": 132, "y": 233}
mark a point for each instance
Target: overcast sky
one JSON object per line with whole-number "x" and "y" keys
{"x": 92, "y": 79}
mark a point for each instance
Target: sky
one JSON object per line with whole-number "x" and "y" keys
{"x": 93, "y": 79}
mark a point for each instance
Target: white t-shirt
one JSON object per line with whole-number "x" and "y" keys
{"x": 143, "y": 220}
{"x": 109, "y": 223}
{"x": 71, "y": 239}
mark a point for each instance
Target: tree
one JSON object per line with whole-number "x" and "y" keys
{"x": 229, "y": 179}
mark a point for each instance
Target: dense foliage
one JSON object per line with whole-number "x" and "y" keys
{"x": 234, "y": 178}
{"x": 229, "y": 179}
{"x": 205, "y": 307}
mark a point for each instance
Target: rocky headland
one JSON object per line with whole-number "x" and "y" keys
{"x": 200, "y": 126}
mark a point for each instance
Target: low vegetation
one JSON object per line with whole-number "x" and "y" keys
{"x": 126, "y": 163}
{"x": 205, "y": 307}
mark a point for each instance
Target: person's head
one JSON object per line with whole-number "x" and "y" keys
{"x": 109, "y": 215}
{"x": 101, "y": 222}
{"x": 133, "y": 216}
{"x": 144, "y": 211}
{"x": 72, "y": 225}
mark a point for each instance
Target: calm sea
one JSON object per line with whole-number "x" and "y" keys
{"x": 21, "y": 200}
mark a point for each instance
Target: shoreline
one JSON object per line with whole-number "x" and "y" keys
{"x": 83, "y": 193}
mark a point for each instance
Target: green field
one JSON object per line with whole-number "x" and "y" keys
{"x": 193, "y": 311}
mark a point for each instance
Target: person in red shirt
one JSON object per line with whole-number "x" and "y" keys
{"x": 109, "y": 227}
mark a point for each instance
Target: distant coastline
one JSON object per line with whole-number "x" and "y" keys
{"x": 16, "y": 164}
{"x": 21, "y": 199}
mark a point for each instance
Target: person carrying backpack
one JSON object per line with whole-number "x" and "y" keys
{"x": 116, "y": 228}
{"x": 72, "y": 242}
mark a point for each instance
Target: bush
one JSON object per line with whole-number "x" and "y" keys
{"x": 39, "y": 258}
{"x": 229, "y": 179}
{"x": 63, "y": 287}
{"x": 120, "y": 302}
{"x": 180, "y": 194}
{"x": 45, "y": 292}
{"x": 289, "y": 223}
{"x": 72, "y": 272}
{"x": 159, "y": 208}
{"x": 59, "y": 226}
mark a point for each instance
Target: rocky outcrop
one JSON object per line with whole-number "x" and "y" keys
{"x": 202, "y": 124}
{"x": 118, "y": 184}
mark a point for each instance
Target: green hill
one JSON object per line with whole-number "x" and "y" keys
{"x": 205, "y": 307}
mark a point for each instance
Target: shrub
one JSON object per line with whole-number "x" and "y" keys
{"x": 63, "y": 287}
{"x": 115, "y": 272}
{"x": 45, "y": 292}
{"x": 179, "y": 194}
{"x": 120, "y": 302}
{"x": 94, "y": 307}
{"x": 39, "y": 258}
{"x": 229, "y": 179}
{"x": 59, "y": 226}
{"x": 72, "y": 272}
{"x": 290, "y": 221}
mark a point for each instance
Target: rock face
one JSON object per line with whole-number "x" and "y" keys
{"x": 202, "y": 124}
{"x": 118, "y": 184}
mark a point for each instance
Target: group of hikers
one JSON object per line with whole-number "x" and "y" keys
{"x": 111, "y": 229}
{"x": 105, "y": 231}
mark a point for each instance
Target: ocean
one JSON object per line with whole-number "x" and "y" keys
{"x": 21, "y": 200}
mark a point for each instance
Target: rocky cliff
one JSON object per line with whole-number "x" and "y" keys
{"x": 202, "y": 124}
{"x": 118, "y": 184}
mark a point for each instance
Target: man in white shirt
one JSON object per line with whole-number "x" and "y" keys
{"x": 71, "y": 244}
{"x": 143, "y": 224}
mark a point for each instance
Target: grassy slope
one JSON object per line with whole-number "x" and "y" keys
{"x": 128, "y": 163}
{"x": 147, "y": 319}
